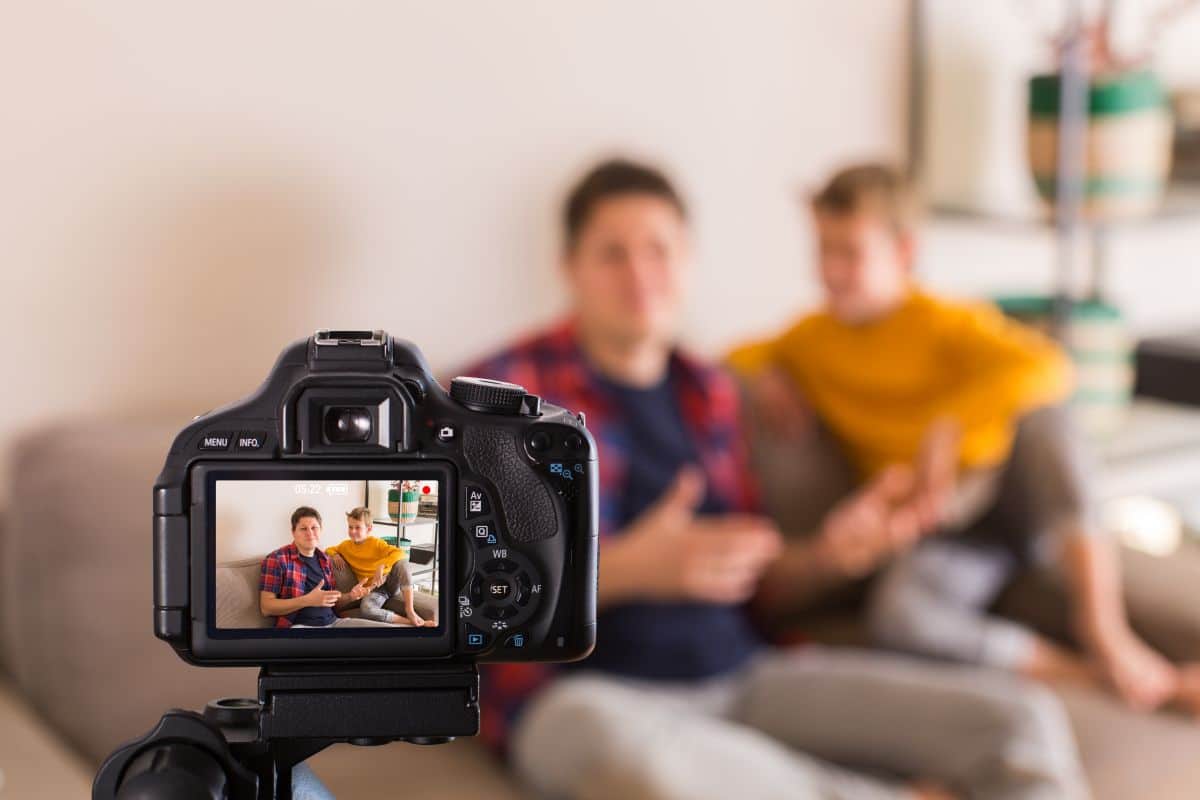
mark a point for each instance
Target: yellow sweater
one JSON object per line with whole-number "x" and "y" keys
{"x": 879, "y": 385}
{"x": 365, "y": 556}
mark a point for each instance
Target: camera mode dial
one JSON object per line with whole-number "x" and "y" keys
{"x": 491, "y": 397}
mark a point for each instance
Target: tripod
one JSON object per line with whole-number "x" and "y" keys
{"x": 245, "y": 749}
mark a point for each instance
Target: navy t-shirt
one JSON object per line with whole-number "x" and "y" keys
{"x": 663, "y": 640}
{"x": 313, "y": 575}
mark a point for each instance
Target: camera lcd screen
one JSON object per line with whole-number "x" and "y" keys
{"x": 359, "y": 556}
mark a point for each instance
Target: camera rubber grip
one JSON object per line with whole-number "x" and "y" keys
{"x": 527, "y": 504}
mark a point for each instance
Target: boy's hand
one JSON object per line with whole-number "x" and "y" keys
{"x": 671, "y": 553}
{"x": 337, "y": 561}
{"x": 322, "y": 597}
{"x": 778, "y": 403}
{"x": 871, "y": 525}
{"x": 360, "y": 590}
{"x": 377, "y": 579}
{"x": 936, "y": 473}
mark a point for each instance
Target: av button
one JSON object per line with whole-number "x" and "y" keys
{"x": 251, "y": 440}
{"x": 215, "y": 441}
{"x": 476, "y": 503}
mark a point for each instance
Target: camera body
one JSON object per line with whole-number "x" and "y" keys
{"x": 511, "y": 541}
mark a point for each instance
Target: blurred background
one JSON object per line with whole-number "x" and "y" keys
{"x": 185, "y": 188}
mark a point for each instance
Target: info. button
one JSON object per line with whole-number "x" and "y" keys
{"x": 215, "y": 441}
{"x": 251, "y": 440}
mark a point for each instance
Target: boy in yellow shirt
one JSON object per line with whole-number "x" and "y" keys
{"x": 954, "y": 403}
{"x": 381, "y": 570}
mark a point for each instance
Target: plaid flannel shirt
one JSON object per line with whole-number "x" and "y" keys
{"x": 283, "y": 575}
{"x": 551, "y": 364}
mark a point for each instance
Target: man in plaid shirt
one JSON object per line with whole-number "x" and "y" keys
{"x": 296, "y": 584}
{"x": 682, "y": 697}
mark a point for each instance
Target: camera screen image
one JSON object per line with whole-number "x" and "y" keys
{"x": 354, "y": 555}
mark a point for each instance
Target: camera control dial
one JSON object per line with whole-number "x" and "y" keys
{"x": 491, "y": 397}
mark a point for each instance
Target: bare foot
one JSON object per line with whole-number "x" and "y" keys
{"x": 1051, "y": 663}
{"x": 930, "y": 791}
{"x": 1142, "y": 677}
{"x": 1188, "y": 695}
{"x": 399, "y": 620}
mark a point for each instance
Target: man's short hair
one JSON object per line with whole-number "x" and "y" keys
{"x": 305, "y": 511}
{"x": 361, "y": 513}
{"x": 614, "y": 178}
{"x": 877, "y": 190}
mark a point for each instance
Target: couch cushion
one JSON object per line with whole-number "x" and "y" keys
{"x": 237, "y": 595}
{"x": 80, "y": 520}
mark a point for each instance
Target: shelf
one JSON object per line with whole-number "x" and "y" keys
{"x": 1181, "y": 202}
{"x": 394, "y": 524}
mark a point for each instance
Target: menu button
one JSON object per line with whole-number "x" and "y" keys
{"x": 215, "y": 441}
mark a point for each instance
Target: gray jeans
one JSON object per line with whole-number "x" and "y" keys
{"x": 399, "y": 579}
{"x": 934, "y": 600}
{"x": 810, "y": 723}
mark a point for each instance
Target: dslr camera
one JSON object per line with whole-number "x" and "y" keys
{"x": 465, "y": 528}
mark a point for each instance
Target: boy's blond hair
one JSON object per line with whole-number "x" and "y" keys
{"x": 362, "y": 514}
{"x": 877, "y": 190}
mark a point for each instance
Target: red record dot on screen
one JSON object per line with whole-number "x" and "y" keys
{"x": 424, "y": 490}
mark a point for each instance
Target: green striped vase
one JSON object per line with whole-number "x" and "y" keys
{"x": 1128, "y": 151}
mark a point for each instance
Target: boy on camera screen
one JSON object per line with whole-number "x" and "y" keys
{"x": 381, "y": 569}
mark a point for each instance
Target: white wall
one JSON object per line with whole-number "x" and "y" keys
{"x": 186, "y": 187}
{"x": 254, "y": 517}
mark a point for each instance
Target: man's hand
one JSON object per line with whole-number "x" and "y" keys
{"x": 777, "y": 402}
{"x": 936, "y": 473}
{"x": 322, "y": 597}
{"x": 871, "y": 525}
{"x": 671, "y": 553}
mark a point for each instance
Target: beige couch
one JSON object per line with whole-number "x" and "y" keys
{"x": 237, "y": 596}
{"x": 88, "y": 666}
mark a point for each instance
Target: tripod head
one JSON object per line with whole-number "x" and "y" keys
{"x": 245, "y": 748}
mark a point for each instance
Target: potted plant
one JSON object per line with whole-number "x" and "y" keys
{"x": 1129, "y": 128}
